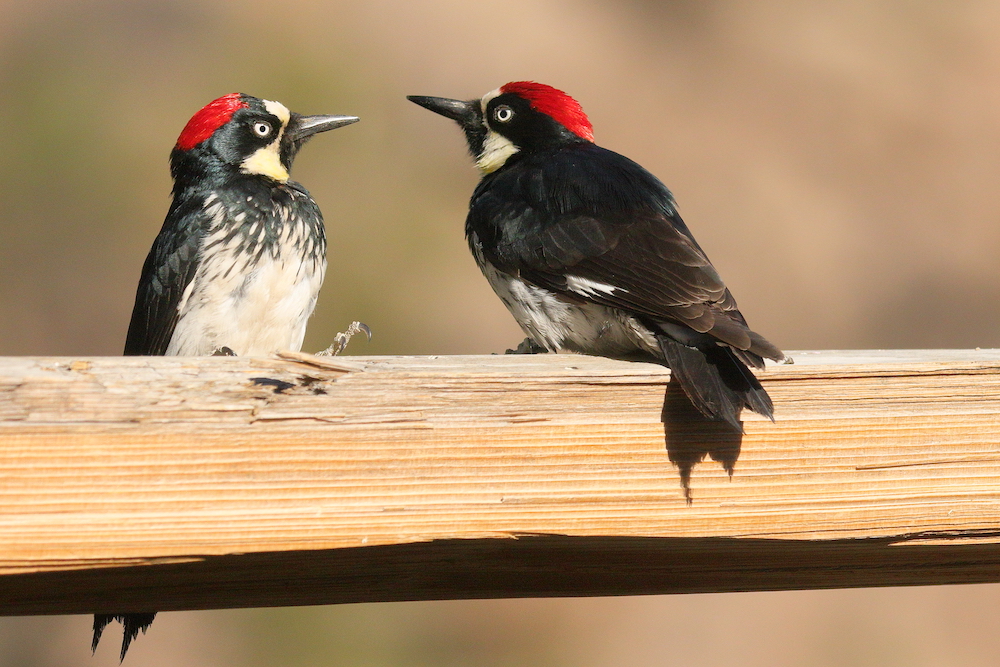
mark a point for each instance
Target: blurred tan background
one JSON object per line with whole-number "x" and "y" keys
{"x": 838, "y": 160}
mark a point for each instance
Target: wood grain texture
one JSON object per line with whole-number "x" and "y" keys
{"x": 130, "y": 484}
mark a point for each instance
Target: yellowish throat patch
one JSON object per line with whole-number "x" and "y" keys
{"x": 267, "y": 160}
{"x": 496, "y": 151}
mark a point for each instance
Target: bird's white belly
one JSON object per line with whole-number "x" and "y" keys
{"x": 561, "y": 324}
{"x": 252, "y": 312}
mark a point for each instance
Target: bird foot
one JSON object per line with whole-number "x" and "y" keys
{"x": 223, "y": 352}
{"x": 527, "y": 346}
{"x": 341, "y": 340}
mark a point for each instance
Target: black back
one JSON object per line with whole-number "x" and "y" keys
{"x": 585, "y": 211}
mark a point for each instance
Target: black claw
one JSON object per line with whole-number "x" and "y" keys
{"x": 341, "y": 340}
{"x": 223, "y": 352}
{"x": 528, "y": 346}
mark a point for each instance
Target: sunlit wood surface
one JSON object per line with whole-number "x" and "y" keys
{"x": 131, "y": 484}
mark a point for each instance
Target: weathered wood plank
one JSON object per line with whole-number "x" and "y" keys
{"x": 168, "y": 483}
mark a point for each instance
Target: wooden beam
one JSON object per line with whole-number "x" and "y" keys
{"x": 130, "y": 484}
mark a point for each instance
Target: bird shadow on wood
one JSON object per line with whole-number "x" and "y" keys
{"x": 690, "y": 437}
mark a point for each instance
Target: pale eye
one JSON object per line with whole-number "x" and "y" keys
{"x": 503, "y": 114}
{"x": 261, "y": 129}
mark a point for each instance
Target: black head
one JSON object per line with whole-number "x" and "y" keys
{"x": 521, "y": 116}
{"x": 244, "y": 134}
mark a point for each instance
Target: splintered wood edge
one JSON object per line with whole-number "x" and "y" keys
{"x": 328, "y": 363}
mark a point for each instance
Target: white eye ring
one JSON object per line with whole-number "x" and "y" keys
{"x": 503, "y": 114}
{"x": 262, "y": 129}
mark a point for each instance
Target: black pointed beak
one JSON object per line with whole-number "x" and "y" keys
{"x": 465, "y": 114}
{"x": 301, "y": 127}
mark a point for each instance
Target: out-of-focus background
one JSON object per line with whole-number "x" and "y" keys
{"x": 837, "y": 159}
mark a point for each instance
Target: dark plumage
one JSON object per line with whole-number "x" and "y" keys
{"x": 238, "y": 263}
{"x": 588, "y": 252}
{"x": 206, "y": 244}
{"x": 131, "y": 625}
{"x": 241, "y": 255}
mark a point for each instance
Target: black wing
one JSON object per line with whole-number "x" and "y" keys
{"x": 169, "y": 268}
{"x": 585, "y": 216}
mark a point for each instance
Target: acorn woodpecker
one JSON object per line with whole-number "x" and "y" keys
{"x": 238, "y": 263}
{"x": 240, "y": 259}
{"x": 587, "y": 251}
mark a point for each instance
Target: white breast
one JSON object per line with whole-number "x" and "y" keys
{"x": 253, "y": 314}
{"x": 252, "y": 306}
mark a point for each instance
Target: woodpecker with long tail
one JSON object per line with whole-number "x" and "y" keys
{"x": 589, "y": 254}
{"x": 239, "y": 261}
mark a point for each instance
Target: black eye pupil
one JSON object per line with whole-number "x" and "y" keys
{"x": 504, "y": 114}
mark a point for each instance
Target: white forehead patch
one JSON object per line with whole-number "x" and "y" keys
{"x": 489, "y": 97}
{"x": 279, "y": 110}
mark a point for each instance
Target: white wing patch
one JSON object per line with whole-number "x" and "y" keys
{"x": 558, "y": 324}
{"x": 587, "y": 287}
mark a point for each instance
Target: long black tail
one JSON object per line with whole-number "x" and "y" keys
{"x": 716, "y": 380}
{"x": 132, "y": 624}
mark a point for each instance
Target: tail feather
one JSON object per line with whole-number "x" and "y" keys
{"x": 760, "y": 346}
{"x": 131, "y": 623}
{"x": 716, "y": 381}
